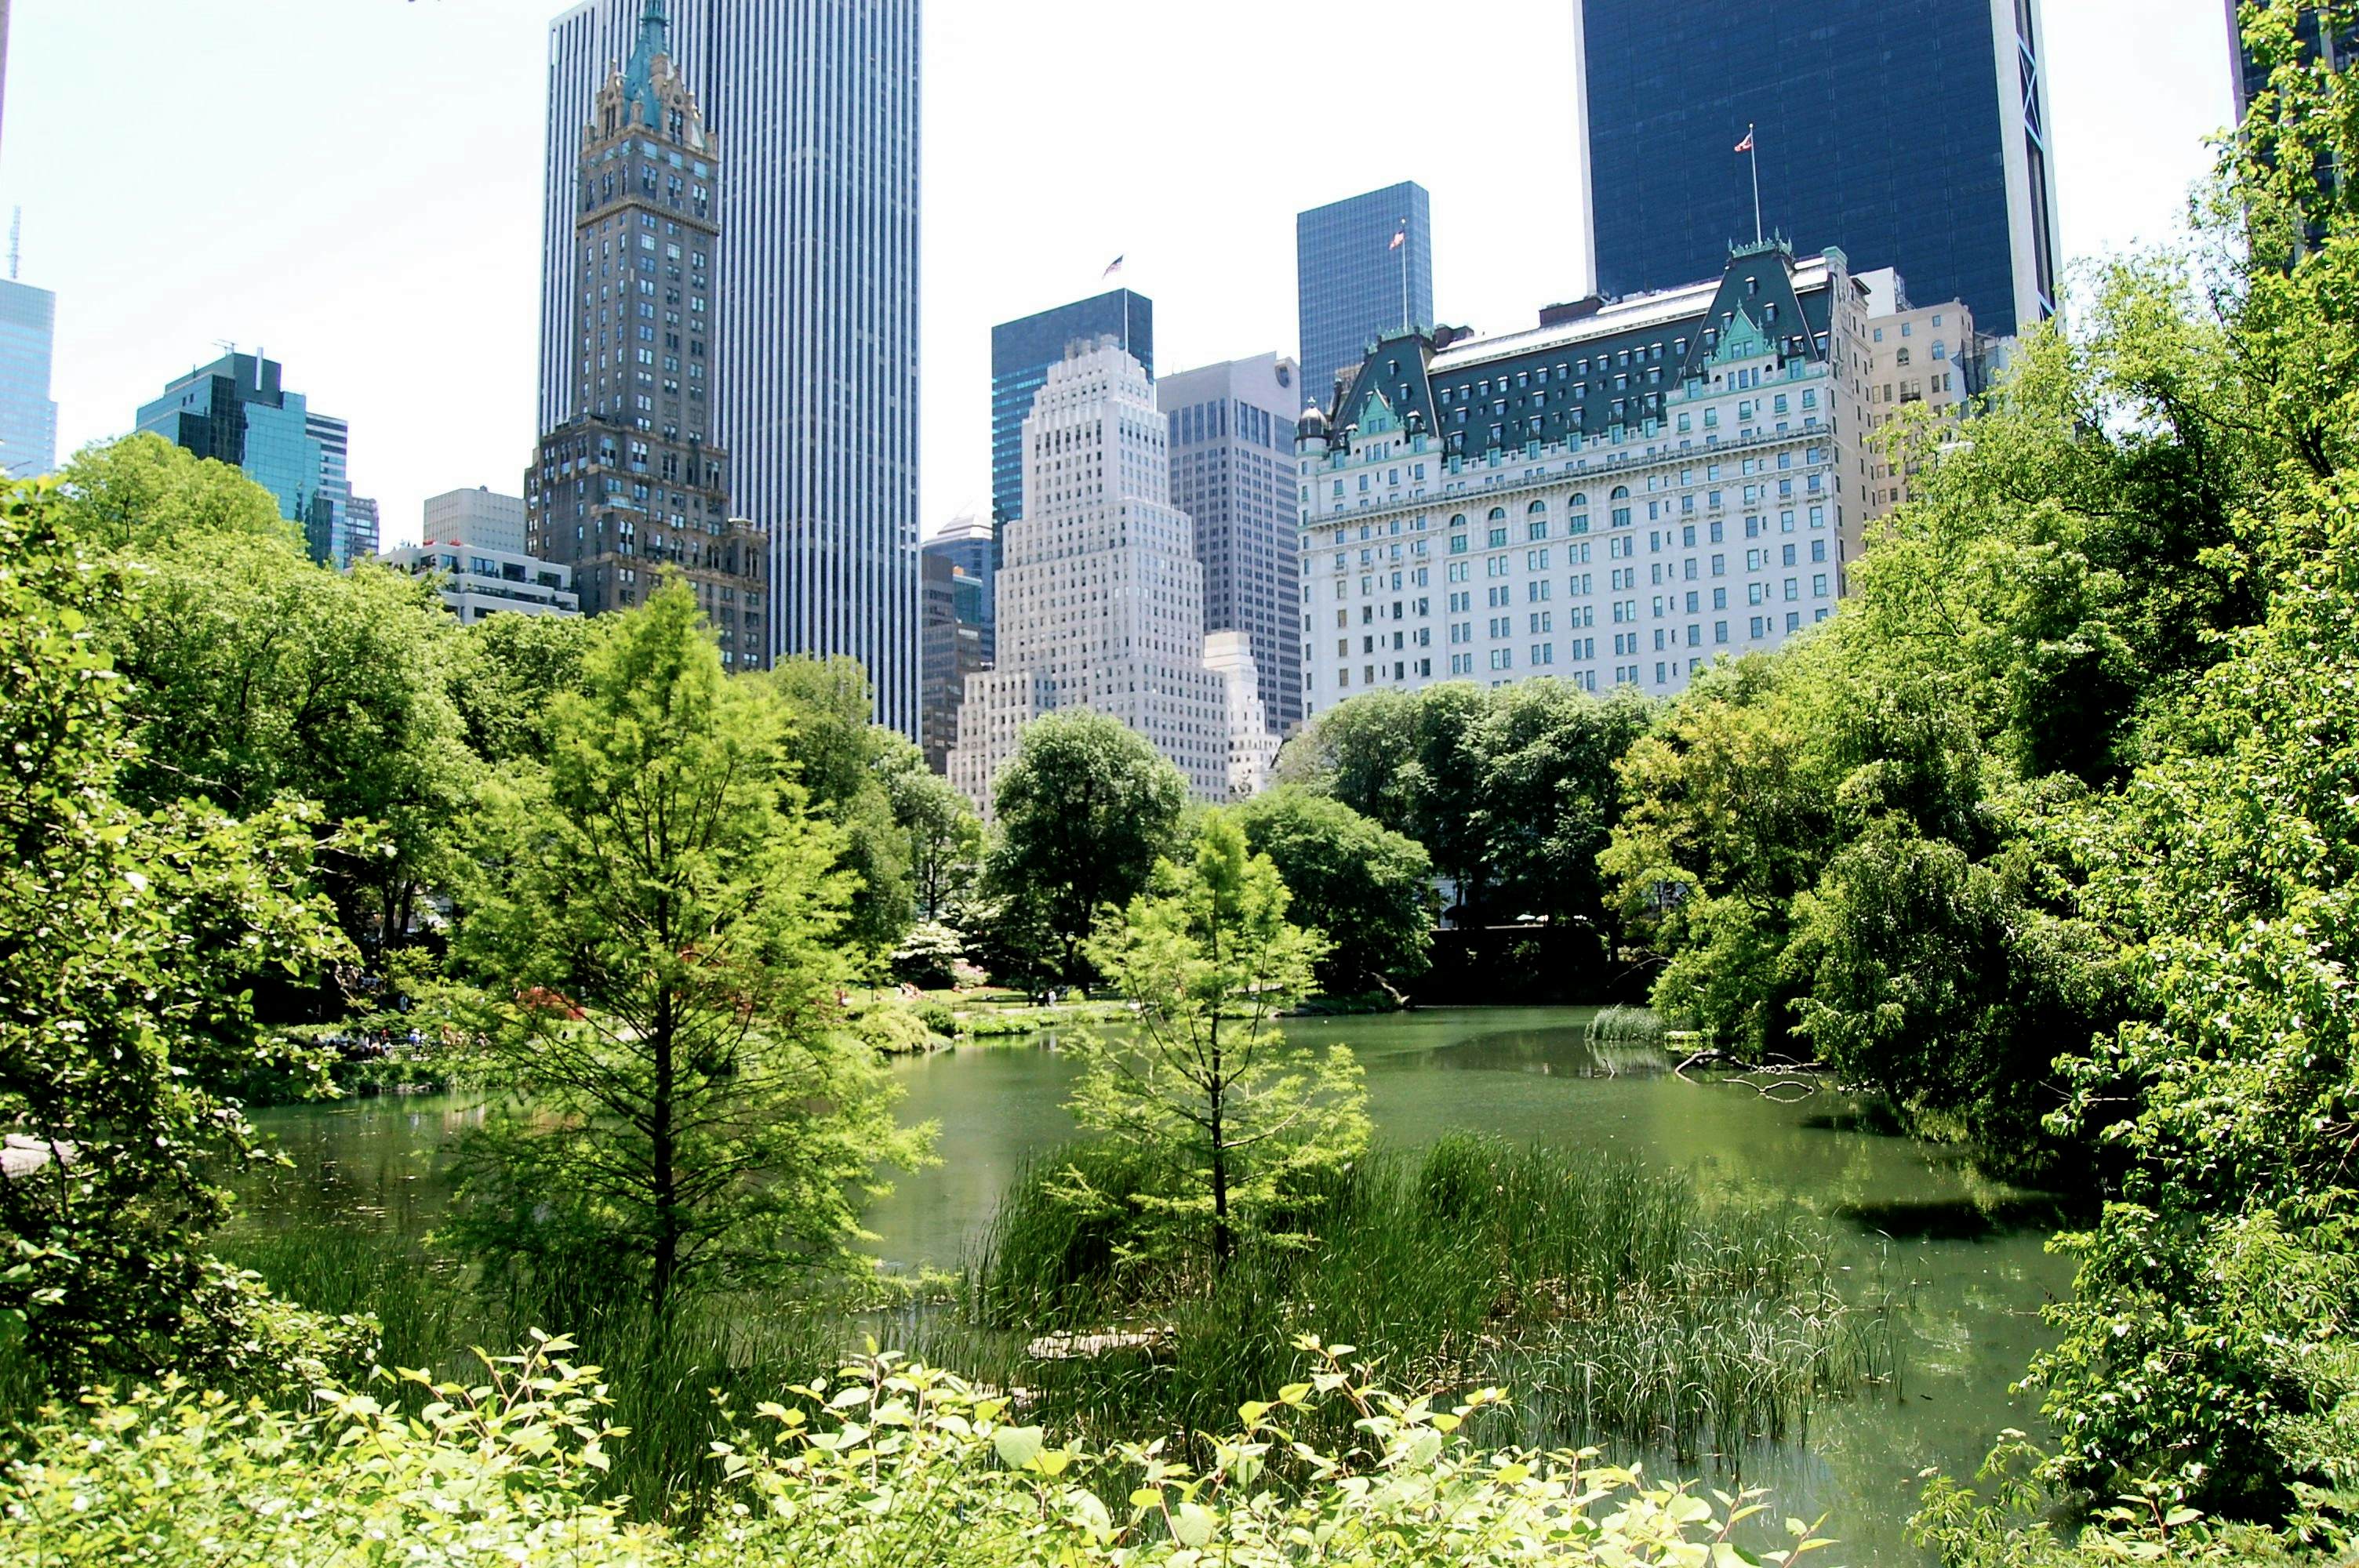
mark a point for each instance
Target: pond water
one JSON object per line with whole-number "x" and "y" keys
{"x": 1915, "y": 1220}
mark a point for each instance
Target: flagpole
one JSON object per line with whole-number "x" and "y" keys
{"x": 1753, "y": 151}
{"x": 1406, "y": 325}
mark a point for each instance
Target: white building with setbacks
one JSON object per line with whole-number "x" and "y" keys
{"x": 1253, "y": 747}
{"x": 1101, "y": 595}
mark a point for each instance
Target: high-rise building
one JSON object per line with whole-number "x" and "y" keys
{"x": 1253, "y": 741}
{"x": 1614, "y": 497}
{"x": 1354, "y": 285}
{"x": 1021, "y": 353}
{"x": 237, "y": 410}
{"x": 28, "y": 420}
{"x": 1100, "y": 598}
{"x": 953, "y": 651}
{"x": 327, "y": 535}
{"x": 632, "y": 481}
{"x": 967, "y": 543}
{"x": 1913, "y": 131}
{"x": 363, "y": 535}
{"x": 481, "y": 517}
{"x": 1927, "y": 354}
{"x": 1232, "y": 473}
{"x": 2320, "y": 41}
{"x": 811, "y": 168}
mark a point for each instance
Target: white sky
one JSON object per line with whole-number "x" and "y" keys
{"x": 354, "y": 186}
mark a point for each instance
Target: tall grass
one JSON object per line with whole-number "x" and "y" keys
{"x": 1609, "y": 1296}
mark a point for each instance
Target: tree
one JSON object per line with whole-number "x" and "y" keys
{"x": 846, "y": 766}
{"x": 1084, "y": 811}
{"x": 129, "y": 939}
{"x": 650, "y": 919}
{"x": 1369, "y": 888}
{"x": 945, "y": 839}
{"x": 1549, "y": 797}
{"x": 507, "y": 675}
{"x": 1245, "y": 1119}
{"x": 142, "y": 494}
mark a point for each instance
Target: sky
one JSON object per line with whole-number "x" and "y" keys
{"x": 353, "y": 188}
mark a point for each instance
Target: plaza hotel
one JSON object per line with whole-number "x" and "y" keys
{"x": 1614, "y": 497}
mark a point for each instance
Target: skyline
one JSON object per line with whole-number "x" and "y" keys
{"x": 151, "y": 276}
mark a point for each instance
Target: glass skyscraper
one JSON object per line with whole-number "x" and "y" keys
{"x": 1350, "y": 277}
{"x": 1021, "y": 353}
{"x": 1910, "y": 133}
{"x": 28, "y": 420}
{"x": 813, "y": 106}
{"x": 2338, "y": 48}
{"x": 237, "y": 410}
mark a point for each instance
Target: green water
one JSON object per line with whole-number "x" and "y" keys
{"x": 1917, "y": 1221}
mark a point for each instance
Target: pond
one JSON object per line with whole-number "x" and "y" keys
{"x": 1917, "y": 1221}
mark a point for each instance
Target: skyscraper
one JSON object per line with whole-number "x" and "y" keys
{"x": 480, "y": 516}
{"x": 1351, "y": 278}
{"x": 966, "y": 542}
{"x": 1100, "y": 600}
{"x": 2249, "y": 79}
{"x": 1233, "y": 474}
{"x": 237, "y": 410}
{"x": 327, "y": 533}
{"x": 953, "y": 651}
{"x": 632, "y": 481}
{"x": 28, "y": 420}
{"x": 811, "y": 107}
{"x": 1021, "y": 353}
{"x": 1909, "y": 133}
{"x": 363, "y": 535}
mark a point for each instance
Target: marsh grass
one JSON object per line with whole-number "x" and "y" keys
{"x": 1615, "y": 1303}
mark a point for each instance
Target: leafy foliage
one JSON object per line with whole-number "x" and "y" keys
{"x": 850, "y": 772}
{"x": 649, "y": 920}
{"x": 1369, "y": 889}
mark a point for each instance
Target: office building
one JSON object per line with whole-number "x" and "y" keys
{"x": 953, "y": 651}
{"x": 1233, "y": 474}
{"x": 1614, "y": 497}
{"x": 1021, "y": 353}
{"x": 1913, "y": 131}
{"x": 28, "y": 419}
{"x": 967, "y": 543}
{"x": 811, "y": 169}
{"x": 1354, "y": 285}
{"x": 632, "y": 481}
{"x": 237, "y": 410}
{"x": 482, "y": 517}
{"x": 476, "y": 582}
{"x": 363, "y": 535}
{"x": 1253, "y": 739}
{"x": 326, "y": 535}
{"x": 2320, "y": 41}
{"x": 1100, "y": 598}
{"x": 1927, "y": 356}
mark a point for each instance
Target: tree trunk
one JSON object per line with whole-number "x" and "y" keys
{"x": 1223, "y": 1240}
{"x": 662, "y": 1155}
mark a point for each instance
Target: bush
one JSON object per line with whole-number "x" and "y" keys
{"x": 891, "y": 1462}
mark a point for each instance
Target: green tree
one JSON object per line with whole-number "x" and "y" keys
{"x": 506, "y": 675}
{"x": 847, "y": 765}
{"x": 1369, "y": 888}
{"x": 945, "y": 839}
{"x": 1245, "y": 1120}
{"x": 142, "y": 494}
{"x": 1084, "y": 811}
{"x": 129, "y": 939}
{"x": 1549, "y": 797}
{"x": 651, "y": 917}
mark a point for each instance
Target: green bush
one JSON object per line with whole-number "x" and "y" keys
{"x": 889, "y": 1464}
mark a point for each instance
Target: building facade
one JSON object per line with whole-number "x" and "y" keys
{"x": 476, "y": 581}
{"x": 1613, "y": 498}
{"x": 812, "y": 107}
{"x": 1929, "y": 356}
{"x": 1253, "y": 739}
{"x": 1351, "y": 278}
{"x": 953, "y": 651}
{"x": 482, "y": 517}
{"x": 1021, "y": 353}
{"x": 28, "y": 419}
{"x": 1913, "y": 131}
{"x": 364, "y": 533}
{"x": 633, "y": 482}
{"x": 237, "y": 410}
{"x": 1101, "y": 595}
{"x": 966, "y": 542}
{"x": 329, "y": 537}
{"x": 1233, "y": 474}
{"x": 2248, "y": 78}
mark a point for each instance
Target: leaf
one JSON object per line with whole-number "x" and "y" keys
{"x": 1017, "y": 1446}
{"x": 1192, "y": 1525}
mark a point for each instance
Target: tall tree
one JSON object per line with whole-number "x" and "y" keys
{"x": 508, "y": 672}
{"x": 846, "y": 766}
{"x": 1084, "y": 811}
{"x": 1370, "y": 888}
{"x": 1242, "y": 1117}
{"x": 143, "y": 495}
{"x": 1550, "y": 796}
{"x": 945, "y": 839}
{"x": 129, "y": 941}
{"x": 651, "y": 919}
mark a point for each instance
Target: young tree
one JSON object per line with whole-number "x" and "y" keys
{"x": 651, "y": 919}
{"x": 129, "y": 941}
{"x": 1084, "y": 811}
{"x": 1244, "y": 1118}
{"x": 1369, "y": 889}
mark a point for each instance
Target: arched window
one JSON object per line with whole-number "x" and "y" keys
{"x": 1498, "y": 515}
{"x": 1537, "y": 507}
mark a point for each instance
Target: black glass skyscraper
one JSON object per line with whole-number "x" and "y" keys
{"x": 2338, "y": 48}
{"x": 1351, "y": 278}
{"x": 1909, "y": 133}
{"x": 1021, "y": 353}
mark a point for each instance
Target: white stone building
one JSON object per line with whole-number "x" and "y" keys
{"x": 1614, "y": 498}
{"x": 1101, "y": 598}
{"x": 1252, "y": 746}
{"x": 1930, "y": 354}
